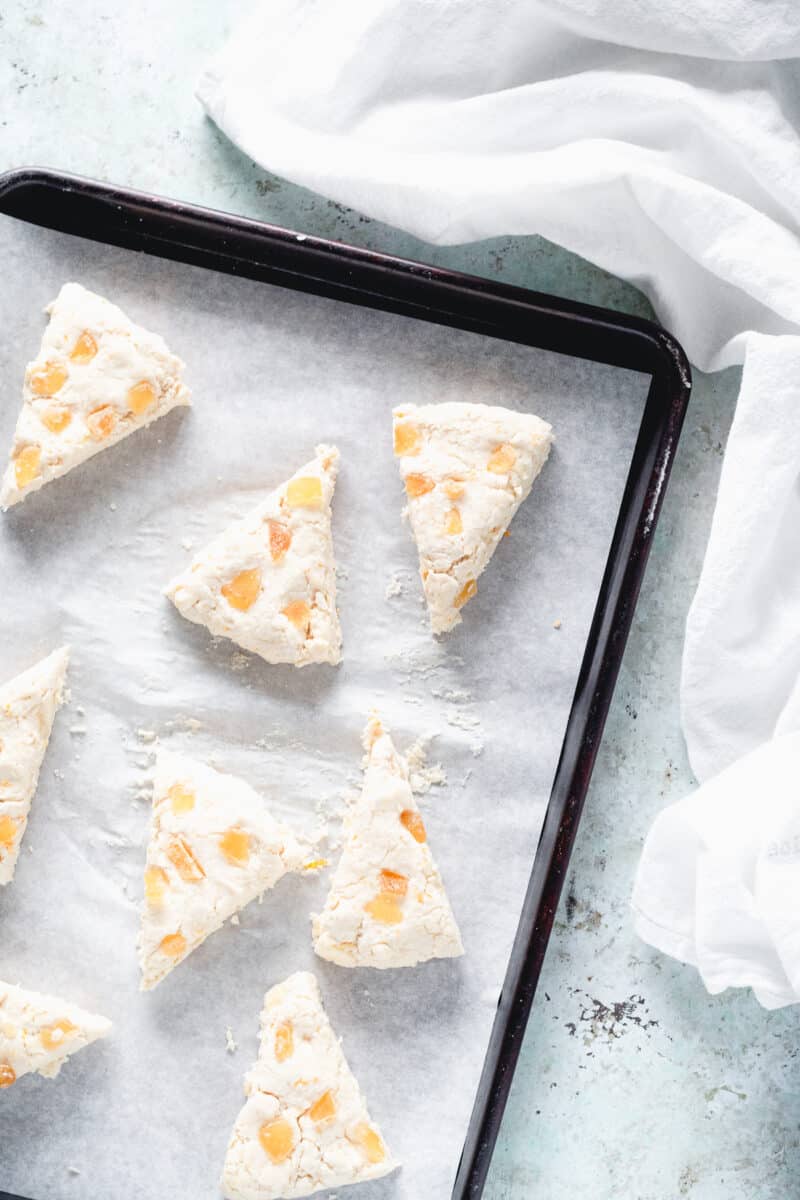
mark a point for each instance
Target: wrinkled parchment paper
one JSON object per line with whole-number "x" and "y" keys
{"x": 147, "y": 1113}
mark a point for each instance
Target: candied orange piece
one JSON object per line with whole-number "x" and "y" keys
{"x": 407, "y": 438}
{"x": 323, "y": 1109}
{"x": 84, "y": 349}
{"x": 280, "y": 539}
{"x": 180, "y": 855}
{"x": 277, "y": 1139}
{"x": 181, "y": 798}
{"x": 53, "y": 1035}
{"x": 453, "y": 523}
{"x": 235, "y": 845}
{"x": 284, "y": 1041}
{"x": 305, "y": 492}
{"x": 414, "y": 824}
{"x": 48, "y": 380}
{"x": 315, "y": 864}
{"x": 7, "y": 1075}
{"x": 173, "y": 945}
{"x": 8, "y": 832}
{"x": 394, "y": 883}
{"x": 141, "y": 396}
{"x": 418, "y": 485}
{"x": 27, "y": 465}
{"x": 369, "y": 1141}
{"x": 299, "y": 614}
{"x": 453, "y": 489}
{"x": 502, "y": 459}
{"x": 156, "y": 882}
{"x": 102, "y": 422}
{"x": 241, "y": 592}
{"x": 384, "y": 908}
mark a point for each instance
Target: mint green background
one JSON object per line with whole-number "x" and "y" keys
{"x": 633, "y": 1084}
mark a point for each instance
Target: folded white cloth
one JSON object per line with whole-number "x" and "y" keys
{"x": 464, "y": 119}
{"x": 719, "y": 880}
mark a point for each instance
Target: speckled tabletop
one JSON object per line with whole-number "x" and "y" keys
{"x": 633, "y": 1084}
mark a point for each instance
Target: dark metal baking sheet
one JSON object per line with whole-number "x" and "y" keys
{"x": 254, "y": 250}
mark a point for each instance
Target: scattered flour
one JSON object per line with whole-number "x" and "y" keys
{"x": 395, "y": 586}
{"x": 421, "y": 776}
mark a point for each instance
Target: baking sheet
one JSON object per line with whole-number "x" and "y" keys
{"x": 148, "y": 1113}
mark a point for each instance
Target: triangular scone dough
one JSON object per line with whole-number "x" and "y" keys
{"x": 213, "y": 848}
{"x": 466, "y": 469}
{"x": 97, "y": 378}
{"x": 28, "y": 705}
{"x": 305, "y": 1125}
{"x": 39, "y": 1033}
{"x": 269, "y": 581}
{"x": 387, "y": 906}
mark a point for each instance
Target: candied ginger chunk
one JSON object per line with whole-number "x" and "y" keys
{"x": 241, "y": 592}
{"x": 84, "y": 349}
{"x": 27, "y": 465}
{"x": 305, "y": 492}
{"x": 418, "y": 485}
{"x": 414, "y": 824}
{"x": 48, "y": 380}
{"x": 277, "y": 1139}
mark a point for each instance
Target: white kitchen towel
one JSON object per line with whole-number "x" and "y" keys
{"x": 719, "y": 880}
{"x": 659, "y": 140}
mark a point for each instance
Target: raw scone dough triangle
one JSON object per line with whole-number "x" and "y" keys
{"x": 213, "y": 848}
{"x": 387, "y": 906}
{"x": 305, "y": 1125}
{"x": 466, "y": 469}
{"x": 28, "y": 705}
{"x": 39, "y": 1033}
{"x": 97, "y": 378}
{"x": 269, "y": 582}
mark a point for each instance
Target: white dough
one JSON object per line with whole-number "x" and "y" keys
{"x": 213, "y": 848}
{"x": 387, "y": 906}
{"x": 466, "y": 468}
{"x": 283, "y": 551}
{"x": 92, "y": 404}
{"x": 304, "y": 1105}
{"x": 39, "y": 1033}
{"x": 28, "y": 706}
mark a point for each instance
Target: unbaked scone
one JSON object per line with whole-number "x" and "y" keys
{"x": 213, "y": 848}
{"x": 39, "y": 1033}
{"x": 97, "y": 378}
{"x": 269, "y": 581}
{"x": 305, "y": 1124}
{"x": 466, "y": 469}
{"x": 387, "y": 906}
{"x": 28, "y": 704}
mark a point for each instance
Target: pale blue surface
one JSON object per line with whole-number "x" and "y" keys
{"x": 633, "y": 1083}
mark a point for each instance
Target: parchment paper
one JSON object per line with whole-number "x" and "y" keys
{"x": 148, "y": 1113}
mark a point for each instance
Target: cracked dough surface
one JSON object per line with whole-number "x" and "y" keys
{"x": 77, "y": 397}
{"x": 387, "y": 906}
{"x": 269, "y": 581}
{"x": 466, "y": 468}
{"x": 213, "y": 848}
{"x": 39, "y": 1033}
{"x": 305, "y": 1125}
{"x": 28, "y": 705}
